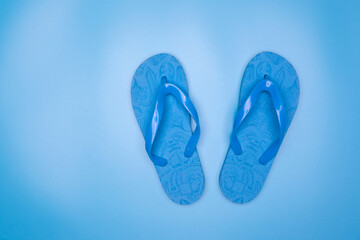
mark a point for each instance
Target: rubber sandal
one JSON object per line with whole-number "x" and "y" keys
{"x": 268, "y": 100}
{"x": 163, "y": 109}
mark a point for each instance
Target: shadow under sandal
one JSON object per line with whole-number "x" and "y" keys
{"x": 163, "y": 109}
{"x": 268, "y": 100}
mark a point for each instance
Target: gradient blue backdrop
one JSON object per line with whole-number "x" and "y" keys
{"x": 72, "y": 158}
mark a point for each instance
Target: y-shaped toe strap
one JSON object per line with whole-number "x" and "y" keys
{"x": 181, "y": 97}
{"x": 263, "y": 86}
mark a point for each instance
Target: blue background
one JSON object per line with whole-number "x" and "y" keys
{"x": 72, "y": 158}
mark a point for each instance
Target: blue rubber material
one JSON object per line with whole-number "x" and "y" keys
{"x": 154, "y": 125}
{"x": 243, "y": 174}
{"x": 182, "y": 178}
{"x": 265, "y": 85}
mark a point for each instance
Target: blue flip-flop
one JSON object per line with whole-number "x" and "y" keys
{"x": 268, "y": 100}
{"x": 163, "y": 108}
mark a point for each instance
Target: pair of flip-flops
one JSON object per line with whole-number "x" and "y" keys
{"x": 162, "y": 107}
